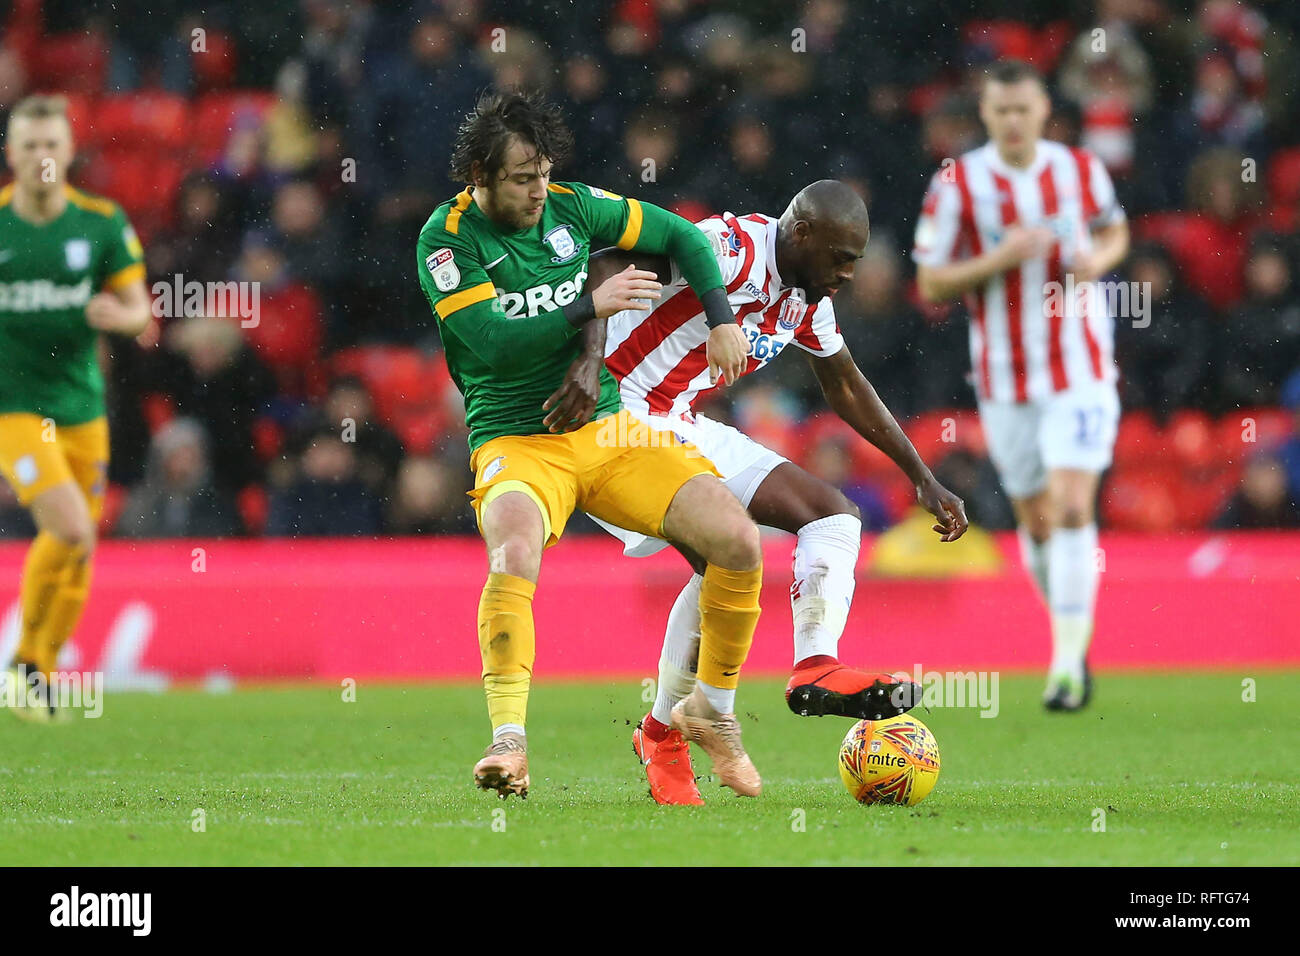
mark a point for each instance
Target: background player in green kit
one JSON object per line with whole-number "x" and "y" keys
{"x": 504, "y": 267}
{"x": 70, "y": 268}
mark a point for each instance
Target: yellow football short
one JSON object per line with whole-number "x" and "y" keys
{"x": 36, "y": 454}
{"x": 615, "y": 469}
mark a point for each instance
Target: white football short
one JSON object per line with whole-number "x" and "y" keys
{"x": 742, "y": 462}
{"x": 1074, "y": 429}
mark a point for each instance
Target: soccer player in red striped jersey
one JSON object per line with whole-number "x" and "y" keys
{"x": 780, "y": 276}
{"x": 1024, "y": 227}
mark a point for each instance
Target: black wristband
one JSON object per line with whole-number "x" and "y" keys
{"x": 581, "y": 312}
{"x": 717, "y": 309}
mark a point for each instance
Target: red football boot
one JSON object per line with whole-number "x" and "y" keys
{"x": 667, "y": 765}
{"x": 822, "y": 685}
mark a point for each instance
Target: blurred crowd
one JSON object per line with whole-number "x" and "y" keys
{"x": 302, "y": 146}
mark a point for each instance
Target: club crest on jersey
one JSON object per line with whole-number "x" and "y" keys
{"x": 791, "y": 312}
{"x": 562, "y": 243}
{"x": 77, "y": 253}
{"x": 442, "y": 266}
{"x": 733, "y": 243}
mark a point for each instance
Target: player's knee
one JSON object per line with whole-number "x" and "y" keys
{"x": 738, "y": 547}
{"x": 516, "y": 555}
{"x": 839, "y": 504}
{"x": 1073, "y": 514}
{"x": 72, "y": 526}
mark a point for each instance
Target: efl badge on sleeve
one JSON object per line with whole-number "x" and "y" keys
{"x": 442, "y": 266}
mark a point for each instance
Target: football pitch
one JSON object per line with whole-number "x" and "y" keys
{"x": 1177, "y": 768}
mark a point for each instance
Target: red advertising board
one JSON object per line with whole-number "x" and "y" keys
{"x": 405, "y": 609}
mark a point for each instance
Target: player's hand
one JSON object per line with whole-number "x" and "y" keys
{"x": 574, "y": 402}
{"x": 632, "y": 288}
{"x": 104, "y": 312}
{"x": 727, "y": 351}
{"x": 1023, "y": 242}
{"x": 945, "y": 506}
{"x": 151, "y": 335}
{"x": 1085, "y": 268}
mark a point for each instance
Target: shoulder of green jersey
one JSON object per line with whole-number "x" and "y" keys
{"x": 599, "y": 193}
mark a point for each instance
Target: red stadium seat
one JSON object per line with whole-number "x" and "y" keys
{"x": 1141, "y": 498}
{"x": 1190, "y": 436}
{"x": 1138, "y": 439}
{"x": 218, "y": 114}
{"x": 1284, "y": 176}
{"x": 158, "y": 410}
{"x": 215, "y": 66}
{"x": 146, "y": 120}
{"x": 1239, "y": 435}
{"x": 268, "y": 438}
{"x": 254, "y": 505}
{"x": 143, "y": 182}
{"x": 70, "y": 62}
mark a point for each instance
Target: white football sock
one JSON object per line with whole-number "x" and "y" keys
{"x": 1072, "y": 576}
{"x": 499, "y": 732}
{"x": 1034, "y": 555}
{"x": 722, "y": 699}
{"x": 678, "y": 660}
{"x": 824, "y": 560}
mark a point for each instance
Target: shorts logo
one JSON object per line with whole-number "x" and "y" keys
{"x": 494, "y": 467}
{"x": 25, "y": 470}
{"x": 77, "y": 253}
{"x": 562, "y": 243}
{"x": 442, "y": 266}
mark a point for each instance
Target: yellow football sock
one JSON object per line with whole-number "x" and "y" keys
{"x": 65, "y": 611}
{"x": 728, "y": 615}
{"x": 508, "y": 645}
{"x": 55, "y": 582}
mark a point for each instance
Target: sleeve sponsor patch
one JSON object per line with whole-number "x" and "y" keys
{"x": 132, "y": 242}
{"x": 604, "y": 194}
{"x": 442, "y": 266}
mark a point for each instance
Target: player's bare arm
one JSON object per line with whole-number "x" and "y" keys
{"x": 125, "y": 310}
{"x": 853, "y": 398}
{"x": 1109, "y": 247}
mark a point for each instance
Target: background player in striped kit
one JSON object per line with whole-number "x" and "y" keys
{"x": 1024, "y": 227}
{"x": 780, "y": 275}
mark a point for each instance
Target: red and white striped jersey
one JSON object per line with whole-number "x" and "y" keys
{"x": 1032, "y": 332}
{"x": 659, "y": 357}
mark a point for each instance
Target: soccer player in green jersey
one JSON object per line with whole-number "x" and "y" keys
{"x": 71, "y": 267}
{"x": 504, "y": 267}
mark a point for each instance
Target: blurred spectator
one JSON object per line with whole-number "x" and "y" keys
{"x": 830, "y": 461}
{"x": 430, "y": 499}
{"x": 198, "y": 246}
{"x": 348, "y": 412}
{"x": 213, "y": 377}
{"x": 1263, "y": 500}
{"x": 1163, "y": 355}
{"x": 1259, "y": 342}
{"x": 1289, "y": 451}
{"x": 974, "y": 480}
{"x": 286, "y": 332}
{"x": 325, "y": 494}
{"x": 178, "y": 498}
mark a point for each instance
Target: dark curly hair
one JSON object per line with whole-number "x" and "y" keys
{"x": 485, "y": 133}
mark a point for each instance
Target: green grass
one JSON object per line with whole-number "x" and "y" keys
{"x": 1187, "y": 772}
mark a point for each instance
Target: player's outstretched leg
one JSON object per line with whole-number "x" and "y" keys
{"x": 513, "y": 531}
{"x": 829, "y": 534}
{"x": 707, "y": 519}
{"x": 661, "y": 748}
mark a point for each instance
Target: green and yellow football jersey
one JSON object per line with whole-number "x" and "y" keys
{"x": 498, "y": 295}
{"x": 48, "y": 361}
